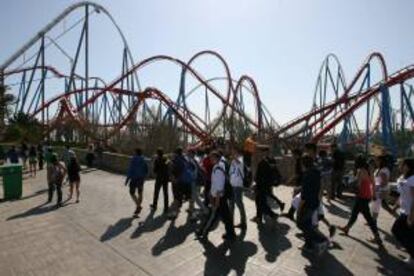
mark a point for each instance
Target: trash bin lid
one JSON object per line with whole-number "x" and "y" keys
{"x": 10, "y": 168}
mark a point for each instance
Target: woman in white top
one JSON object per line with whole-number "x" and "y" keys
{"x": 403, "y": 228}
{"x": 382, "y": 177}
{"x": 236, "y": 174}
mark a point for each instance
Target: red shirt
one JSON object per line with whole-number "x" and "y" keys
{"x": 365, "y": 189}
{"x": 208, "y": 167}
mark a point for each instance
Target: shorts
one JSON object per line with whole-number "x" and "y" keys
{"x": 32, "y": 160}
{"x": 136, "y": 185}
{"x": 181, "y": 191}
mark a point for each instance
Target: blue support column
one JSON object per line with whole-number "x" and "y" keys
{"x": 387, "y": 135}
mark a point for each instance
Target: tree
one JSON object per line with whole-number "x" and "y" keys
{"x": 22, "y": 127}
{"x": 6, "y": 102}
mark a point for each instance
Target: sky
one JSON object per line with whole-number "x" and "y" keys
{"x": 279, "y": 43}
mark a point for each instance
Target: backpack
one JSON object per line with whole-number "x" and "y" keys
{"x": 275, "y": 176}
{"x": 228, "y": 189}
{"x": 185, "y": 173}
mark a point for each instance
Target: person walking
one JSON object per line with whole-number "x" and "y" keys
{"x": 403, "y": 227}
{"x": 32, "y": 161}
{"x": 263, "y": 188}
{"x": 57, "y": 175}
{"x": 137, "y": 172}
{"x": 236, "y": 175}
{"x": 219, "y": 203}
{"x": 90, "y": 157}
{"x": 181, "y": 182}
{"x": 197, "y": 180}
{"x": 364, "y": 196}
{"x": 308, "y": 206}
{"x": 382, "y": 176}
{"x": 12, "y": 155}
{"x": 40, "y": 156}
{"x": 338, "y": 168}
{"x": 24, "y": 150}
{"x": 207, "y": 165}
{"x": 74, "y": 169}
{"x": 161, "y": 172}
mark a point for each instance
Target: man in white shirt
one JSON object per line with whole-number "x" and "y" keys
{"x": 236, "y": 175}
{"x": 219, "y": 205}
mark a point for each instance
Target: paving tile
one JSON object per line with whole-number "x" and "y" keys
{"x": 99, "y": 237}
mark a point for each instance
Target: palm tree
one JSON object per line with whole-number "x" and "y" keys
{"x": 6, "y": 101}
{"x": 23, "y": 127}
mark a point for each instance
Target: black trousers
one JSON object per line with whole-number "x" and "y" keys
{"x": 337, "y": 185}
{"x": 262, "y": 207}
{"x": 58, "y": 187}
{"x": 361, "y": 205}
{"x": 161, "y": 183}
{"x": 304, "y": 222}
{"x": 222, "y": 212}
{"x": 404, "y": 234}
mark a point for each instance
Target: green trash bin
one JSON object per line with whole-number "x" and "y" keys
{"x": 12, "y": 181}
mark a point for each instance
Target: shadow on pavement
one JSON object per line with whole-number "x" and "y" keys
{"x": 38, "y": 210}
{"x": 173, "y": 237}
{"x": 116, "y": 229}
{"x": 387, "y": 264}
{"x": 273, "y": 240}
{"x": 327, "y": 264}
{"x": 218, "y": 262}
{"x": 150, "y": 224}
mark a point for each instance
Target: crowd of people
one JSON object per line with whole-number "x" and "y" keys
{"x": 215, "y": 180}
{"x": 59, "y": 170}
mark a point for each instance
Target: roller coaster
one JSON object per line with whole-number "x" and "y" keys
{"x": 56, "y": 79}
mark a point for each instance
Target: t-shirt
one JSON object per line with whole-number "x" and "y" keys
{"x": 236, "y": 173}
{"x": 365, "y": 189}
{"x": 311, "y": 185}
{"x": 406, "y": 198}
{"x": 378, "y": 179}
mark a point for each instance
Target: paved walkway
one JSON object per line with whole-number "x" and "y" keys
{"x": 98, "y": 237}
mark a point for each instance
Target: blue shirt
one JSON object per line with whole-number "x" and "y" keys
{"x": 138, "y": 168}
{"x": 13, "y": 156}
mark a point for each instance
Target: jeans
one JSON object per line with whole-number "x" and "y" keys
{"x": 223, "y": 213}
{"x": 158, "y": 184}
{"x": 304, "y": 221}
{"x": 361, "y": 205}
{"x": 404, "y": 234}
{"x": 238, "y": 201}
